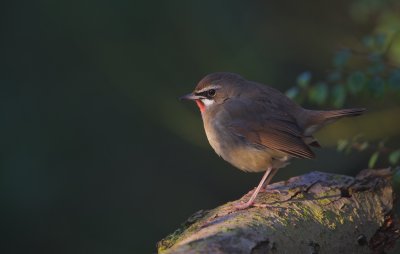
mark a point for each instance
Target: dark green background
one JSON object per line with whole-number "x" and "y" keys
{"x": 97, "y": 153}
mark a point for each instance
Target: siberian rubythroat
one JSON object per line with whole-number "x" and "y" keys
{"x": 255, "y": 127}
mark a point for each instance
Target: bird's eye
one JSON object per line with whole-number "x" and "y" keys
{"x": 211, "y": 92}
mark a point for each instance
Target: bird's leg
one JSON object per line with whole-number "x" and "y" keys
{"x": 253, "y": 197}
{"x": 270, "y": 176}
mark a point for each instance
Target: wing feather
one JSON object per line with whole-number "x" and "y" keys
{"x": 276, "y": 137}
{"x": 264, "y": 124}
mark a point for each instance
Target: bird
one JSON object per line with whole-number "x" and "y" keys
{"x": 256, "y": 127}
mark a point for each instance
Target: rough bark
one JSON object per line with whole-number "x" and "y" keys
{"x": 314, "y": 213}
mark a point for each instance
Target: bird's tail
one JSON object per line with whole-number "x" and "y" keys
{"x": 341, "y": 113}
{"x": 318, "y": 119}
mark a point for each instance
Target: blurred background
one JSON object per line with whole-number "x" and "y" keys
{"x": 99, "y": 156}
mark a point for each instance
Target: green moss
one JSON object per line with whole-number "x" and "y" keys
{"x": 318, "y": 213}
{"x": 338, "y": 177}
{"x": 304, "y": 210}
{"x": 324, "y": 201}
{"x": 171, "y": 239}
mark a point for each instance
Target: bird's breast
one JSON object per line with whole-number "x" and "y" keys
{"x": 217, "y": 136}
{"x": 237, "y": 151}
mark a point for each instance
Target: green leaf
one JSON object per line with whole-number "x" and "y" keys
{"x": 341, "y": 58}
{"x": 376, "y": 85}
{"x": 318, "y": 93}
{"x": 375, "y": 57}
{"x": 380, "y": 40}
{"x": 303, "y": 80}
{"x": 372, "y": 161}
{"x": 382, "y": 143}
{"x": 292, "y": 92}
{"x": 338, "y": 96}
{"x": 368, "y": 41}
{"x": 356, "y": 82}
{"x": 376, "y": 68}
{"x": 364, "y": 145}
{"x": 335, "y": 76}
{"x": 342, "y": 144}
{"x": 394, "y": 157}
{"x": 394, "y": 79}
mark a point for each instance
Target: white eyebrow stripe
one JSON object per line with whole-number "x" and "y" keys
{"x": 208, "y": 88}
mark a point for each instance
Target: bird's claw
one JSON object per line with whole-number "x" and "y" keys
{"x": 273, "y": 191}
{"x": 242, "y": 205}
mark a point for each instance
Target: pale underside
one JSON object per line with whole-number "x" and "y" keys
{"x": 235, "y": 149}
{"x": 242, "y": 155}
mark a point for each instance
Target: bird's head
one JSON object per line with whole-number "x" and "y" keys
{"x": 214, "y": 89}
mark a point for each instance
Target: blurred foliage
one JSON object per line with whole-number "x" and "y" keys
{"x": 366, "y": 72}
{"x": 98, "y": 155}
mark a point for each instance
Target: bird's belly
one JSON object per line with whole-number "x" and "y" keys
{"x": 248, "y": 159}
{"x": 237, "y": 152}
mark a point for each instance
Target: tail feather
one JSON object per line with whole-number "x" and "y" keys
{"x": 341, "y": 113}
{"x": 318, "y": 119}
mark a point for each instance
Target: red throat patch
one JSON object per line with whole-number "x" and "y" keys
{"x": 201, "y": 106}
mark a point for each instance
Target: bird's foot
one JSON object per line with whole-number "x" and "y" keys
{"x": 272, "y": 191}
{"x": 269, "y": 191}
{"x": 242, "y": 205}
{"x": 262, "y": 205}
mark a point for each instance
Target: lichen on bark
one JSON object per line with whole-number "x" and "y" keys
{"x": 314, "y": 213}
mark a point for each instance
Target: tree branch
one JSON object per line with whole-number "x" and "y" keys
{"x": 314, "y": 213}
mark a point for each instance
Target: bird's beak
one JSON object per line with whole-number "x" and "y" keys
{"x": 190, "y": 96}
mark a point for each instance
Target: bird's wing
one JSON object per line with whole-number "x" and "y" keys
{"x": 273, "y": 136}
{"x": 269, "y": 127}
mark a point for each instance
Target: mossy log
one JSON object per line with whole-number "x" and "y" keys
{"x": 314, "y": 213}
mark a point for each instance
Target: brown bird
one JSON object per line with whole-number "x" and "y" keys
{"x": 255, "y": 127}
